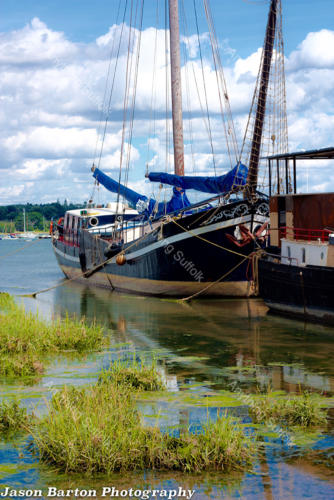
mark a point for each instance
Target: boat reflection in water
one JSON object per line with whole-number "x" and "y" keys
{"x": 219, "y": 344}
{"x": 203, "y": 346}
{"x": 219, "y": 341}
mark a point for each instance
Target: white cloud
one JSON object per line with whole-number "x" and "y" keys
{"x": 35, "y": 43}
{"x": 192, "y": 43}
{"x": 316, "y": 51}
{"x": 51, "y": 92}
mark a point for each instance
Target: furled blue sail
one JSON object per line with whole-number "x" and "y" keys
{"x": 144, "y": 205}
{"x": 222, "y": 184}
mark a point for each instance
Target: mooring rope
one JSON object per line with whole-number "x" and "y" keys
{"x": 88, "y": 271}
{"x": 253, "y": 255}
{"x": 255, "y": 264}
{"x": 19, "y": 249}
{"x": 186, "y": 299}
{"x": 208, "y": 241}
{"x": 102, "y": 264}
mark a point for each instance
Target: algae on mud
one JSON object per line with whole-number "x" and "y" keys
{"x": 99, "y": 429}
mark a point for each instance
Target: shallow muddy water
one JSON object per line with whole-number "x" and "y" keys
{"x": 204, "y": 350}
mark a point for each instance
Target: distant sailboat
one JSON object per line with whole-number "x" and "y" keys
{"x": 27, "y": 235}
{"x": 176, "y": 248}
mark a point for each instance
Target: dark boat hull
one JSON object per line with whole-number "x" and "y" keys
{"x": 303, "y": 292}
{"x": 173, "y": 260}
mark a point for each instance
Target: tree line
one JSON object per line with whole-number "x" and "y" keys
{"x": 38, "y": 216}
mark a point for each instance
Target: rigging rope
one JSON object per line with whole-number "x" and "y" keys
{"x": 152, "y": 117}
{"x": 189, "y": 110}
{"x": 275, "y": 132}
{"x": 207, "y": 241}
{"x": 167, "y": 97}
{"x": 230, "y": 131}
{"x": 104, "y": 104}
{"x": 206, "y": 116}
{"x": 205, "y": 91}
{"x": 133, "y": 104}
{"x": 126, "y": 100}
{"x": 113, "y": 83}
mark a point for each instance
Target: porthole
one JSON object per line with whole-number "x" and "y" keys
{"x": 93, "y": 221}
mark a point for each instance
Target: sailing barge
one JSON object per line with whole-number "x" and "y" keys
{"x": 175, "y": 248}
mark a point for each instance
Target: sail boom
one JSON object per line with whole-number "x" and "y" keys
{"x": 147, "y": 206}
{"x": 222, "y": 184}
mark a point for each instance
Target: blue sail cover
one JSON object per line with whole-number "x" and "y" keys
{"x": 147, "y": 206}
{"x": 222, "y": 184}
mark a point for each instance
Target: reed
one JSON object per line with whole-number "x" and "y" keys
{"x": 304, "y": 410}
{"x": 13, "y": 417}
{"x": 133, "y": 375}
{"x": 99, "y": 430}
{"x": 20, "y": 365}
{"x": 24, "y": 336}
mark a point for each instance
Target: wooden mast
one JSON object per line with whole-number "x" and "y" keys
{"x": 261, "y": 104}
{"x": 176, "y": 87}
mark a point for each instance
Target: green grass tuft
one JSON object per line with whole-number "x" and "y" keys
{"x": 13, "y": 417}
{"x": 99, "y": 430}
{"x": 6, "y": 301}
{"x": 24, "y": 336}
{"x": 20, "y": 365}
{"x": 133, "y": 375}
{"x": 304, "y": 410}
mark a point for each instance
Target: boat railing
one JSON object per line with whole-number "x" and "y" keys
{"x": 70, "y": 237}
{"x": 128, "y": 230}
{"x": 106, "y": 230}
{"x": 279, "y": 258}
{"x": 315, "y": 235}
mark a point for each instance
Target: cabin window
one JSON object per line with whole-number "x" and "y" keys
{"x": 65, "y": 221}
{"x": 322, "y": 256}
{"x": 289, "y": 252}
{"x": 303, "y": 255}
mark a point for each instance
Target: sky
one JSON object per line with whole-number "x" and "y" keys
{"x": 54, "y": 60}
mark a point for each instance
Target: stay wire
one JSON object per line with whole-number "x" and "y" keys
{"x": 125, "y": 103}
{"x": 104, "y": 106}
{"x": 113, "y": 83}
{"x": 134, "y": 94}
{"x": 205, "y": 90}
{"x": 152, "y": 117}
